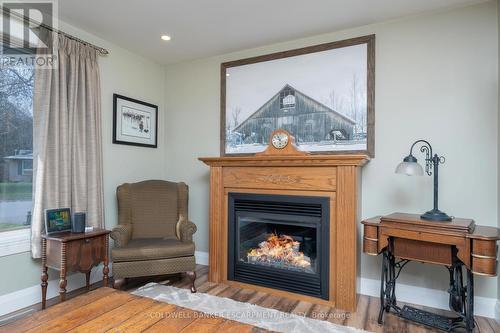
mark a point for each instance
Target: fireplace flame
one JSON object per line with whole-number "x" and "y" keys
{"x": 279, "y": 250}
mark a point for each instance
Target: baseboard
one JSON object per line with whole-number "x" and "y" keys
{"x": 23, "y": 298}
{"x": 483, "y": 306}
{"x": 497, "y": 312}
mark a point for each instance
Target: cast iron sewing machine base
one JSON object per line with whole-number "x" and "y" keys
{"x": 461, "y": 298}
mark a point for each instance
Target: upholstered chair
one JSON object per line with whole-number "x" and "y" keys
{"x": 153, "y": 235}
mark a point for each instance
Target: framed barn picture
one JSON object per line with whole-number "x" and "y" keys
{"x": 323, "y": 95}
{"x": 134, "y": 122}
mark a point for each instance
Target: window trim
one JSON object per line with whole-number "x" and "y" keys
{"x": 15, "y": 241}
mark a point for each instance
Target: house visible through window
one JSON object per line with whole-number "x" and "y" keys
{"x": 16, "y": 147}
{"x": 27, "y": 169}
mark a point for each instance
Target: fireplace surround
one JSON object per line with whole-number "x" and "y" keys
{"x": 335, "y": 178}
{"x": 279, "y": 241}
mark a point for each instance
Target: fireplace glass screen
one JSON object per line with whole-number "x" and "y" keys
{"x": 267, "y": 243}
{"x": 279, "y": 241}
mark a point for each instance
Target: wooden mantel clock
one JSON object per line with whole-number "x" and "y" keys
{"x": 282, "y": 143}
{"x": 283, "y": 172}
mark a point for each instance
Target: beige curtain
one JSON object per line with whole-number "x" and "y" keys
{"x": 67, "y": 138}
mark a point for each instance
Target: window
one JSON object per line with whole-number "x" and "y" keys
{"x": 287, "y": 99}
{"x": 27, "y": 166}
{"x": 16, "y": 157}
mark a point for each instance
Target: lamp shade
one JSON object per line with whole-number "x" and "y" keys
{"x": 410, "y": 169}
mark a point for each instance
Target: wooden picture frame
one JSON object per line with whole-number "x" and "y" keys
{"x": 135, "y": 122}
{"x": 366, "y": 135}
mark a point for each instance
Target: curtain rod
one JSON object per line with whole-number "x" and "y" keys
{"x": 99, "y": 49}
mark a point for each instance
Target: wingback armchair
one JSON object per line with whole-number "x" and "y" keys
{"x": 153, "y": 235}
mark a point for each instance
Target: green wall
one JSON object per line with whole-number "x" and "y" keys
{"x": 19, "y": 272}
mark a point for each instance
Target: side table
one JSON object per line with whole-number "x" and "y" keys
{"x": 458, "y": 245}
{"x": 74, "y": 252}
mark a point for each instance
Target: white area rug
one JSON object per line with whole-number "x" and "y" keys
{"x": 238, "y": 311}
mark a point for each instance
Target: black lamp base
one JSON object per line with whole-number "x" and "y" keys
{"x": 435, "y": 215}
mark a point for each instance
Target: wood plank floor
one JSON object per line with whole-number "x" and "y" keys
{"x": 109, "y": 310}
{"x": 91, "y": 312}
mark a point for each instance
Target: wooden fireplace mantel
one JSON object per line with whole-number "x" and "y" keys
{"x": 333, "y": 176}
{"x": 287, "y": 160}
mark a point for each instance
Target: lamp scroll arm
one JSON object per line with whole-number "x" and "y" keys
{"x": 427, "y": 149}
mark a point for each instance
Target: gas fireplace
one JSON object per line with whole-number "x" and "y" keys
{"x": 279, "y": 241}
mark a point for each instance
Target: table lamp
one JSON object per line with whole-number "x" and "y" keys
{"x": 411, "y": 167}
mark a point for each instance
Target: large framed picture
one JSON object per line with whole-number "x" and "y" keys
{"x": 134, "y": 122}
{"x": 324, "y": 95}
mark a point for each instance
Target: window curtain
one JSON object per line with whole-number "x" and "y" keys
{"x": 67, "y": 142}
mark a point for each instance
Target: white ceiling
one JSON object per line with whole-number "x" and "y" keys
{"x": 202, "y": 28}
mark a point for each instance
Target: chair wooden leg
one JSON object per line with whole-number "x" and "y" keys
{"x": 192, "y": 277}
{"x": 119, "y": 283}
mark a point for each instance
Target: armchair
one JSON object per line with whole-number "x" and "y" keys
{"x": 153, "y": 235}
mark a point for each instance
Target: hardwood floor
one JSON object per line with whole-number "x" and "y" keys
{"x": 130, "y": 313}
{"x": 109, "y": 310}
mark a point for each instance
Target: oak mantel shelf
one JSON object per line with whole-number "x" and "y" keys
{"x": 284, "y": 160}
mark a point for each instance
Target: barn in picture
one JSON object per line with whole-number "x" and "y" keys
{"x": 307, "y": 119}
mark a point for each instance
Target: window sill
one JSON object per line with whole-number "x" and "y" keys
{"x": 15, "y": 241}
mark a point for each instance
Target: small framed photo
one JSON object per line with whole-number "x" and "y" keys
{"x": 134, "y": 122}
{"x": 57, "y": 220}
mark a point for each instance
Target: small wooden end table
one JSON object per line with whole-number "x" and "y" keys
{"x": 72, "y": 252}
{"x": 458, "y": 245}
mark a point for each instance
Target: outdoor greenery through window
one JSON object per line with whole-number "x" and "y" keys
{"x": 16, "y": 147}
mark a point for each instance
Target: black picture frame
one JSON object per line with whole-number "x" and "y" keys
{"x": 50, "y": 228}
{"x": 120, "y": 138}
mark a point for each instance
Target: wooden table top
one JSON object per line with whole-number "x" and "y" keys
{"x": 109, "y": 310}
{"x": 466, "y": 226}
{"x": 67, "y": 236}
{"x": 458, "y": 224}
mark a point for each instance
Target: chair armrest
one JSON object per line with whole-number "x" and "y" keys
{"x": 121, "y": 234}
{"x": 186, "y": 230}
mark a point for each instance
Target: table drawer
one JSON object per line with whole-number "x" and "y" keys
{"x": 484, "y": 257}
{"x": 485, "y": 247}
{"x": 370, "y": 240}
{"x": 85, "y": 253}
{"x": 417, "y": 250}
{"x": 484, "y": 266}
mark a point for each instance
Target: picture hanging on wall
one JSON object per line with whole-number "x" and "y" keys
{"x": 134, "y": 122}
{"x": 323, "y": 95}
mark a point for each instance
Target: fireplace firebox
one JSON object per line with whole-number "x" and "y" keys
{"x": 280, "y": 242}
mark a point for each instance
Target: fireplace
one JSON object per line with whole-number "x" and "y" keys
{"x": 280, "y": 242}
{"x": 257, "y": 202}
